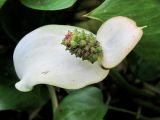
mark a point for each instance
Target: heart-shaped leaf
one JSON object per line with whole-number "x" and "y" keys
{"x": 10, "y": 98}
{"x": 83, "y": 104}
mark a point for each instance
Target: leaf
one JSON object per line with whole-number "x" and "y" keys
{"x": 10, "y": 98}
{"x": 24, "y": 19}
{"x": 83, "y": 104}
{"x": 148, "y": 71}
{"x": 48, "y": 4}
{"x": 91, "y": 25}
{"x": 142, "y": 69}
{"x": 145, "y": 13}
{"x": 2, "y": 2}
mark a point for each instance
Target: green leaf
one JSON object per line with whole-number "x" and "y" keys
{"x": 148, "y": 71}
{"x": 83, "y": 104}
{"x": 91, "y": 25}
{"x": 48, "y": 4}
{"x": 10, "y": 98}
{"x": 145, "y": 13}
{"x": 2, "y": 2}
{"x": 142, "y": 69}
{"x": 25, "y": 19}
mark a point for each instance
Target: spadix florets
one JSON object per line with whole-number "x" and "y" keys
{"x": 83, "y": 45}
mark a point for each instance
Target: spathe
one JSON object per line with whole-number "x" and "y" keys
{"x": 118, "y": 36}
{"x": 39, "y": 58}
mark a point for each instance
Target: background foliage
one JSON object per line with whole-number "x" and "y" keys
{"x": 132, "y": 90}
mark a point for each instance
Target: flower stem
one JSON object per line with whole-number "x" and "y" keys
{"x": 152, "y": 88}
{"x": 147, "y": 104}
{"x": 34, "y": 113}
{"x": 139, "y": 112}
{"x": 127, "y": 111}
{"x": 122, "y": 82}
{"x": 53, "y": 96}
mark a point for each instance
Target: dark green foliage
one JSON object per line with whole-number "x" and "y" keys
{"x": 86, "y": 104}
{"x": 10, "y": 98}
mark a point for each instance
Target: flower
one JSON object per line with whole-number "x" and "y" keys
{"x": 40, "y": 58}
{"x": 83, "y": 45}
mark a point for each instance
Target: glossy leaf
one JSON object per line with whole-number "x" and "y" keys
{"x": 145, "y": 13}
{"x": 48, "y": 4}
{"x": 91, "y": 25}
{"x": 142, "y": 69}
{"x": 2, "y": 3}
{"x": 24, "y": 19}
{"x": 148, "y": 75}
{"x": 83, "y": 104}
{"x": 10, "y": 98}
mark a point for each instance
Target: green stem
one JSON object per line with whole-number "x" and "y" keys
{"x": 151, "y": 88}
{"x": 53, "y": 96}
{"x": 108, "y": 100}
{"x": 126, "y": 111}
{"x": 34, "y": 114}
{"x": 43, "y": 16}
{"x": 121, "y": 82}
{"x": 139, "y": 112}
{"x": 147, "y": 105}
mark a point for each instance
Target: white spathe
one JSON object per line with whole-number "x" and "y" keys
{"x": 117, "y": 36}
{"x": 40, "y": 58}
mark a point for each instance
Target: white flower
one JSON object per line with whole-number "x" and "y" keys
{"x": 40, "y": 58}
